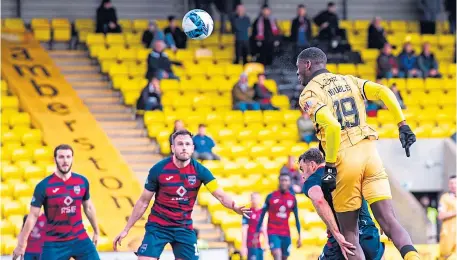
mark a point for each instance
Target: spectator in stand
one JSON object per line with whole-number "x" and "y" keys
{"x": 387, "y": 64}
{"x": 330, "y": 34}
{"x": 430, "y": 9}
{"x": 301, "y": 31}
{"x": 291, "y": 169}
{"x": 449, "y": 5}
{"x": 306, "y": 128}
{"x": 266, "y": 33}
{"x": 179, "y": 37}
{"x": 263, "y": 94}
{"x": 407, "y": 61}
{"x": 204, "y": 145}
{"x": 243, "y": 95}
{"x": 159, "y": 65}
{"x": 240, "y": 27}
{"x": 427, "y": 63}
{"x": 153, "y": 33}
{"x": 397, "y": 95}
{"x": 150, "y": 96}
{"x": 107, "y": 18}
{"x": 179, "y": 125}
{"x": 376, "y": 34}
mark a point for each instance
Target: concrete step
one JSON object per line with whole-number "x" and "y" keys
{"x": 125, "y": 133}
{"x": 56, "y": 54}
{"x": 83, "y": 77}
{"x": 75, "y": 69}
{"x": 108, "y": 108}
{"x": 138, "y": 149}
{"x": 140, "y": 159}
{"x": 92, "y": 85}
{"x": 119, "y": 125}
{"x": 102, "y": 100}
{"x": 78, "y": 61}
{"x": 123, "y": 141}
{"x": 114, "y": 116}
{"x": 97, "y": 92}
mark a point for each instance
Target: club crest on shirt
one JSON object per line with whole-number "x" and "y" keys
{"x": 143, "y": 248}
{"x": 290, "y": 203}
{"x": 307, "y": 106}
{"x": 77, "y": 189}
{"x": 192, "y": 179}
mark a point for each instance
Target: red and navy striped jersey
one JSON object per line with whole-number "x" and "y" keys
{"x": 279, "y": 206}
{"x": 253, "y": 238}
{"x": 37, "y": 236}
{"x": 176, "y": 191}
{"x": 62, "y": 201}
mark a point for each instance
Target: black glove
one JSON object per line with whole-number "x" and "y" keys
{"x": 329, "y": 179}
{"x": 407, "y": 138}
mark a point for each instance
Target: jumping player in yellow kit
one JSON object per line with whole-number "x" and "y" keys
{"x": 353, "y": 166}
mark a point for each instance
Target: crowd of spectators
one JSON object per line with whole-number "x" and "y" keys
{"x": 257, "y": 97}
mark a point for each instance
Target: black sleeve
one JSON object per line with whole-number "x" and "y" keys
{"x": 114, "y": 15}
{"x": 294, "y": 30}
{"x": 318, "y": 19}
{"x": 310, "y": 29}
{"x": 254, "y": 28}
{"x": 146, "y": 39}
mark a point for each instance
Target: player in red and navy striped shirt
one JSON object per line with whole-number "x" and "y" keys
{"x": 250, "y": 238}
{"x": 62, "y": 194}
{"x": 36, "y": 239}
{"x": 279, "y": 204}
{"x": 175, "y": 182}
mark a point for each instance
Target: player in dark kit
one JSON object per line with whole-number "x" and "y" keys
{"x": 279, "y": 204}
{"x": 312, "y": 164}
{"x": 36, "y": 239}
{"x": 250, "y": 238}
{"x": 62, "y": 194}
{"x": 175, "y": 182}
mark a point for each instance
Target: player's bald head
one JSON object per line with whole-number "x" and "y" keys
{"x": 315, "y": 55}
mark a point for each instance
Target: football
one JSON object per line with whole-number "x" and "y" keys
{"x": 197, "y": 24}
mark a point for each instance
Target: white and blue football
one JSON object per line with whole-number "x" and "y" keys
{"x": 197, "y": 24}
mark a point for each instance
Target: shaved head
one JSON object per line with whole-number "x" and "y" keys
{"x": 309, "y": 61}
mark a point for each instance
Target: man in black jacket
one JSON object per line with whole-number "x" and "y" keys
{"x": 150, "y": 96}
{"x": 159, "y": 65}
{"x": 330, "y": 35}
{"x": 301, "y": 30}
{"x": 376, "y": 35}
{"x": 451, "y": 12}
{"x": 107, "y": 18}
{"x": 179, "y": 36}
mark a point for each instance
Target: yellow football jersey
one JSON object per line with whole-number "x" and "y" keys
{"x": 345, "y": 97}
{"x": 448, "y": 229}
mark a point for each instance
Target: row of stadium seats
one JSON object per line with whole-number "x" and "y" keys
{"x": 57, "y": 30}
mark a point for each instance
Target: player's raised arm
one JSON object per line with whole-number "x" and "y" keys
{"x": 150, "y": 187}
{"x": 211, "y": 184}
{"x": 264, "y": 212}
{"x": 374, "y": 91}
{"x": 297, "y": 223}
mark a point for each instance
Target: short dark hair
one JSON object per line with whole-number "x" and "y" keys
{"x": 284, "y": 175}
{"x": 452, "y": 177}
{"x": 265, "y": 6}
{"x": 312, "y": 155}
{"x": 331, "y": 4}
{"x": 171, "y": 18}
{"x": 313, "y": 54}
{"x": 201, "y": 125}
{"x": 301, "y": 6}
{"x": 63, "y": 147}
{"x": 180, "y": 132}
{"x": 261, "y": 74}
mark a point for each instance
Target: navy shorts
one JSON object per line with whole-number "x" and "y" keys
{"x": 183, "y": 242}
{"x": 282, "y": 242}
{"x": 255, "y": 254}
{"x": 78, "y": 249}
{"x": 32, "y": 256}
{"x": 369, "y": 240}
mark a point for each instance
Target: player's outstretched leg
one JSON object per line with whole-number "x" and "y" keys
{"x": 349, "y": 227}
{"x": 385, "y": 215}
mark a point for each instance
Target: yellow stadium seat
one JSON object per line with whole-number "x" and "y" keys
{"x": 291, "y": 116}
{"x": 415, "y": 84}
{"x": 11, "y": 172}
{"x": 44, "y": 153}
{"x": 132, "y": 38}
{"x": 12, "y": 208}
{"x": 114, "y": 39}
{"x": 95, "y": 39}
{"x": 254, "y": 68}
{"x": 126, "y": 25}
{"x": 273, "y": 117}
{"x": 233, "y": 70}
{"x": 10, "y": 137}
{"x": 60, "y": 23}
{"x": 140, "y": 25}
{"x": 399, "y": 26}
{"x": 118, "y": 69}
{"x": 361, "y": 25}
{"x": 40, "y": 23}
{"x": 14, "y": 25}
{"x": 370, "y": 54}
{"x": 6, "y": 228}
{"x": 400, "y": 83}
{"x": 431, "y": 83}
{"x": 33, "y": 136}
{"x": 20, "y": 119}
{"x": 347, "y": 69}
{"x": 281, "y": 101}
{"x": 10, "y": 102}
{"x": 61, "y": 35}
{"x": 252, "y": 117}
{"x": 21, "y": 154}
{"x": 446, "y": 40}
{"x": 185, "y": 55}
{"x": 42, "y": 34}
{"x": 233, "y": 117}
{"x": 84, "y": 24}
{"x": 245, "y": 134}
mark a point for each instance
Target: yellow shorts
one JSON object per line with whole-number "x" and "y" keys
{"x": 360, "y": 172}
